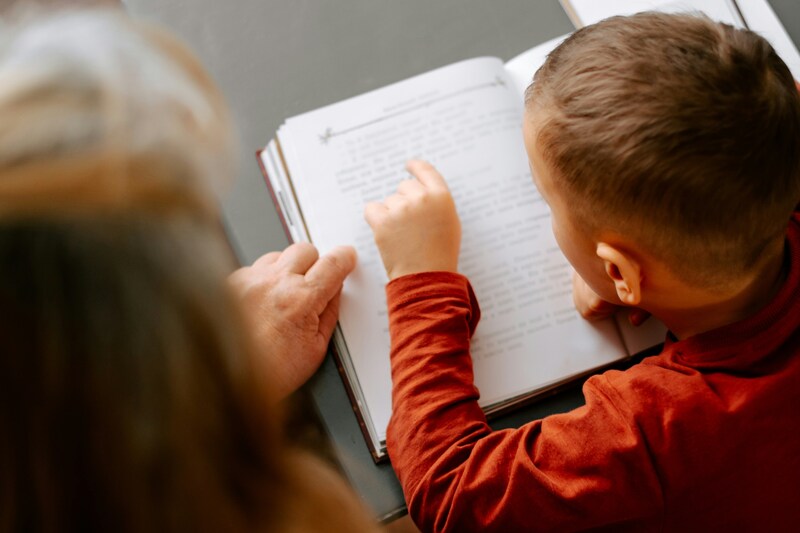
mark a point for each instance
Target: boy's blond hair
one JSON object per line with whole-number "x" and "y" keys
{"x": 674, "y": 130}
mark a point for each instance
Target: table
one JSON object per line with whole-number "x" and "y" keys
{"x": 276, "y": 59}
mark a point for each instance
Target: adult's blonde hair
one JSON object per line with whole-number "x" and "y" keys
{"x": 106, "y": 114}
{"x": 129, "y": 395}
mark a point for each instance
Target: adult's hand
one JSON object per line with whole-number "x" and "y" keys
{"x": 291, "y": 299}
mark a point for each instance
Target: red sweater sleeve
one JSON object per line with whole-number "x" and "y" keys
{"x": 582, "y": 469}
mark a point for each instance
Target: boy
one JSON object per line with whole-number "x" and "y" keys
{"x": 667, "y": 148}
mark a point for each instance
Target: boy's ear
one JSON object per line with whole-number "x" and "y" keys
{"x": 624, "y": 271}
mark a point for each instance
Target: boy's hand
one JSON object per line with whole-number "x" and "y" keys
{"x": 592, "y": 307}
{"x": 417, "y": 229}
{"x": 291, "y": 299}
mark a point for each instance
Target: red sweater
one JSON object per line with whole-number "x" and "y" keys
{"x": 705, "y": 436}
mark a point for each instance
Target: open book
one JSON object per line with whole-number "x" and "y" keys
{"x": 466, "y": 119}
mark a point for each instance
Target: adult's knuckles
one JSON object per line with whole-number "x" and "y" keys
{"x": 285, "y": 291}
{"x": 335, "y": 264}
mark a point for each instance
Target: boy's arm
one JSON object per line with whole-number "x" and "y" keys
{"x": 578, "y": 470}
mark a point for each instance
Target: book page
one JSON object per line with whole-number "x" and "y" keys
{"x": 466, "y": 119}
{"x": 756, "y": 15}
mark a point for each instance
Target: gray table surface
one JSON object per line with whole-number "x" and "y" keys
{"x": 274, "y": 59}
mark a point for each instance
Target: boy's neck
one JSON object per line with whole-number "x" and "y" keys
{"x": 738, "y": 304}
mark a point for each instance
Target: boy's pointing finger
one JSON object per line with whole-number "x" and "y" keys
{"x": 426, "y": 174}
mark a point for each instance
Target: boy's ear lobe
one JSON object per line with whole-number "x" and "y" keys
{"x": 624, "y": 271}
